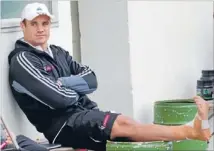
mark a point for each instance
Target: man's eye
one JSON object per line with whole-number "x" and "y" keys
{"x": 45, "y": 23}
{"x": 33, "y": 24}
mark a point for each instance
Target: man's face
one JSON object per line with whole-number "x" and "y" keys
{"x": 37, "y": 31}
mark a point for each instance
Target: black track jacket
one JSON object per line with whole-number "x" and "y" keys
{"x": 32, "y": 78}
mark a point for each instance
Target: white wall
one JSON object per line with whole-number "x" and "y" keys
{"x": 9, "y": 109}
{"x": 105, "y": 48}
{"x": 170, "y": 43}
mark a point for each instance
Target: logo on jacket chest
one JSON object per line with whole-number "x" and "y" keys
{"x": 49, "y": 68}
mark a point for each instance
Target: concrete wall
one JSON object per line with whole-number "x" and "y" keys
{"x": 62, "y": 36}
{"x": 105, "y": 48}
{"x": 170, "y": 43}
{"x": 169, "y": 48}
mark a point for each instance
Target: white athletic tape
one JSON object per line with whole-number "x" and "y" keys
{"x": 205, "y": 124}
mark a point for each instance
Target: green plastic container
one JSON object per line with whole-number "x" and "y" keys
{"x": 178, "y": 112}
{"x": 137, "y": 146}
{"x": 188, "y": 145}
{"x": 174, "y": 112}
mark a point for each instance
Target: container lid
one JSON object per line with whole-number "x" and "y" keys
{"x": 207, "y": 73}
{"x": 204, "y": 82}
{"x": 174, "y": 101}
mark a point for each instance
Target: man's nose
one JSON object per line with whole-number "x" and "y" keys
{"x": 40, "y": 28}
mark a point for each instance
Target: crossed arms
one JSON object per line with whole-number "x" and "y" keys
{"x": 29, "y": 77}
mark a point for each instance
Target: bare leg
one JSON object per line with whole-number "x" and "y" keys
{"x": 126, "y": 127}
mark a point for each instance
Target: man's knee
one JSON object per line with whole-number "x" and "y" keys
{"x": 123, "y": 127}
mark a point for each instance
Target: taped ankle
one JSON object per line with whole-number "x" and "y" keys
{"x": 205, "y": 124}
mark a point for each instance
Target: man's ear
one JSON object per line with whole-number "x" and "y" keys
{"x": 22, "y": 25}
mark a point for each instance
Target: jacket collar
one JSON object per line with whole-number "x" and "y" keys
{"x": 48, "y": 50}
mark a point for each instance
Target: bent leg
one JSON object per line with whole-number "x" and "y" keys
{"x": 126, "y": 127}
{"x": 88, "y": 129}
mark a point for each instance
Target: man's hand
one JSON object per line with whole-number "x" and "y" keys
{"x": 76, "y": 83}
{"x": 59, "y": 83}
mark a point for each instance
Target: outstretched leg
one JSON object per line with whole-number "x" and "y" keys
{"x": 126, "y": 127}
{"x": 91, "y": 128}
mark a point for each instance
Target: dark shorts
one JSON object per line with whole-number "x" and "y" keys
{"x": 87, "y": 129}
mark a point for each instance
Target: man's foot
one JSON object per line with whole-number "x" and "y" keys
{"x": 198, "y": 129}
{"x": 203, "y": 107}
{"x": 201, "y": 125}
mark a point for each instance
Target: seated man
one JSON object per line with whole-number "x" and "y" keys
{"x": 59, "y": 107}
